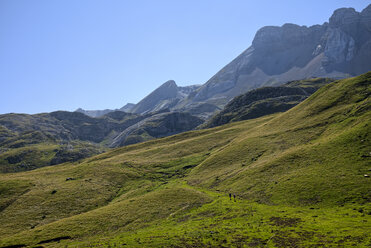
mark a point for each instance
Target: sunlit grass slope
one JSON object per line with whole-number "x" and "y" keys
{"x": 299, "y": 178}
{"x": 317, "y": 152}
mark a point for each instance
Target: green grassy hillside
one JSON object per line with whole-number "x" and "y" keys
{"x": 33, "y": 141}
{"x": 42, "y": 154}
{"x": 299, "y": 179}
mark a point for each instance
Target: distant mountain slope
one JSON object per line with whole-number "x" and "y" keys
{"x": 63, "y": 125}
{"x": 266, "y": 100}
{"x": 99, "y": 113}
{"x": 127, "y": 108}
{"x": 301, "y": 179}
{"x": 337, "y": 49}
{"x": 94, "y": 113}
{"x": 32, "y": 141}
{"x": 164, "y": 97}
{"x": 157, "y": 126}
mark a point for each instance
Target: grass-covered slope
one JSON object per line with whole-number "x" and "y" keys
{"x": 33, "y": 141}
{"x": 43, "y": 154}
{"x": 307, "y": 152}
{"x": 299, "y": 178}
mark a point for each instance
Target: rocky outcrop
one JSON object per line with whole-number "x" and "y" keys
{"x": 63, "y": 155}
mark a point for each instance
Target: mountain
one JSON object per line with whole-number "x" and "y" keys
{"x": 174, "y": 98}
{"x": 266, "y": 100}
{"x": 164, "y": 97}
{"x": 301, "y": 179}
{"x": 337, "y": 49}
{"x": 63, "y": 125}
{"x": 31, "y": 141}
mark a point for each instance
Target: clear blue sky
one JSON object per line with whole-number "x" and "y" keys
{"x": 97, "y": 54}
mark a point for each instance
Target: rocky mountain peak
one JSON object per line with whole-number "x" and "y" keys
{"x": 266, "y": 35}
{"x": 366, "y": 18}
{"x": 347, "y": 19}
{"x": 366, "y": 11}
{"x": 343, "y": 16}
{"x": 337, "y": 49}
{"x": 289, "y": 34}
{"x": 128, "y": 107}
{"x": 169, "y": 83}
{"x": 161, "y": 98}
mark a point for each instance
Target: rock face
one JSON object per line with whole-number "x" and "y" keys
{"x": 265, "y": 101}
{"x": 337, "y": 49}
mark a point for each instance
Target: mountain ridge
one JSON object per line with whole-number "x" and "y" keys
{"x": 336, "y": 49}
{"x": 326, "y": 50}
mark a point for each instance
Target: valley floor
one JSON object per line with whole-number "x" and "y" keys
{"x": 227, "y": 223}
{"x": 223, "y": 222}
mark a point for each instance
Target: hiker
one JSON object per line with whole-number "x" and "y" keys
{"x": 230, "y": 196}
{"x": 234, "y": 197}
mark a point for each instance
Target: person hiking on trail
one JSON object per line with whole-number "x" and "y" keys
{"x": 230, "y": 196}
{"x": 234, "y": 197}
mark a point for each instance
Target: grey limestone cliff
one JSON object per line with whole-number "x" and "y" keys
{"x": 337, "y": 49}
